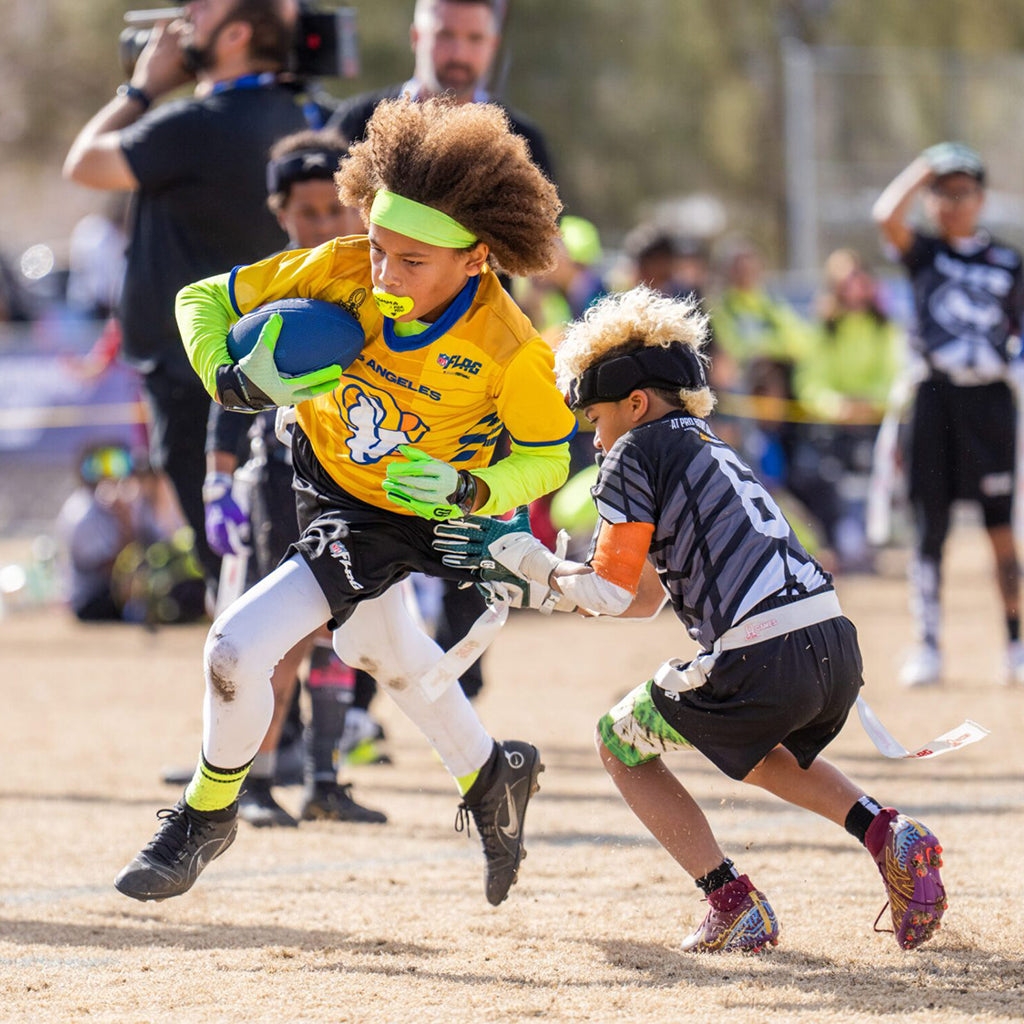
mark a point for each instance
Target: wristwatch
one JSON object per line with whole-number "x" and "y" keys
{"x": 129, "y": 91}
{"x": 465, "y": 494}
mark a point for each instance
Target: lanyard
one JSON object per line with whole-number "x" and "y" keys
{"x": 253, "y": 81}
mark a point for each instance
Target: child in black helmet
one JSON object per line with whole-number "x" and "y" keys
{"x": 780, "y": 666}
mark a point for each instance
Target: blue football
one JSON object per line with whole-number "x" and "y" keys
{"x": 314, "y": 334}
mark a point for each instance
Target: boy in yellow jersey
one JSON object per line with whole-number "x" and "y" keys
{"x": 398, "y": 441}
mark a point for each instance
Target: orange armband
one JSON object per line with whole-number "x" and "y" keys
{"x": 621, "y": 552}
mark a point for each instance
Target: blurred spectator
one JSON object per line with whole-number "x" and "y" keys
{"x": 692, "y": 271}
{"x": 752, "y": 326}
{"x": 14, "y": 303}
{"x": 581, "y": 283}
{"x": 196, "y": 167}
{"x": 653, "y": 252}
{"x": 96, "y": 260}
{"x": 760, "y": 342}
{"x": 120, "y": 565}
{"x": 565, "y": 292}
{"x": 453, "y": 43}
{"x": 551, "y": 300}
{"x": 857, "y": 349}
{"x": 572, "y": 508}
{"x": 301, "y": 192}
{"x": 844, "y": 382}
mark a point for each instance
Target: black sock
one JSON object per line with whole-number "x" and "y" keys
{"x": 716, "y": 878}
{"x": 323, "y": 734}
{"x": 1013, "y": 627}
{"x": 860, "y": 816}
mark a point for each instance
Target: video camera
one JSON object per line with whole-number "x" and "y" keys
{"x": 325, "y": 43}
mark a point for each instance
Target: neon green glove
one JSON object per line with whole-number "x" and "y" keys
{"x": 271, "y": 388}
{"x": 428, "y": 486}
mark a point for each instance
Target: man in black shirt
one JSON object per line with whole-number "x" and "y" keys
{"x": 196, "y": 167}
{"x": 969, "y": 301}
{"x": 453, "y": 43}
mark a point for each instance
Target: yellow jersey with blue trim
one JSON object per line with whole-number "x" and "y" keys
{"x": 448, "y": 390}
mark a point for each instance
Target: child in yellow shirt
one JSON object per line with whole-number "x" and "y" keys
{"x": 381, "y": 450}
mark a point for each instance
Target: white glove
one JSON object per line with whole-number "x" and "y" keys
{"x": 526, "y": 556}
{"x": 527, "y": 594}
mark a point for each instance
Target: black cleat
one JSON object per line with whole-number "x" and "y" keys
{"x": 256, "y": 805}
{"x": 500, "y": 813}
{"x": 186, "y": 841}
{"x": 331, "y": 801}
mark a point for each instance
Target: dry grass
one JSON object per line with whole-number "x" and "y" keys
{"x": 357, "y": 923}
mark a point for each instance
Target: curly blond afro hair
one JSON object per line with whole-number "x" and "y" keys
{"x": 627, "y": 321}
{"x": 464, "y": 161}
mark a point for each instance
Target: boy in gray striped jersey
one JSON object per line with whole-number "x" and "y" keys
{"x": 780, "y": 667}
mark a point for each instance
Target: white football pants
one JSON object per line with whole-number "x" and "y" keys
{"x": 381, "y": 636}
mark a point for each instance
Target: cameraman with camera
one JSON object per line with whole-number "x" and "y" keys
{"x": 196, "y": 167}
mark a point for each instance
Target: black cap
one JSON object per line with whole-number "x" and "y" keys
{"x": 302, "y": 165}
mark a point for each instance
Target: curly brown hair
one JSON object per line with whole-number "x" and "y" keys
{"x": 462, "y": 160}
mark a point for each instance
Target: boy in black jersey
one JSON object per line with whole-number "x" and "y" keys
{"x": 780, "y": 668}
{"x": 969, "y": 300}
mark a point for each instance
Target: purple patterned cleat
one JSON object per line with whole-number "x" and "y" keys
{"x": 908, "y": 857}
{"x": 739, "y": 918}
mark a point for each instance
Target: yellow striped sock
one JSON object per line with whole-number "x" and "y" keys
{"x": 213, "y": 789}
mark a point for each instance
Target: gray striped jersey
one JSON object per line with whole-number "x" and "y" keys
{"x": 721, "y": 546}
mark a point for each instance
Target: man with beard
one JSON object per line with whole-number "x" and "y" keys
{"x": 453, "y": 43}
{"x": 196, "y": 166}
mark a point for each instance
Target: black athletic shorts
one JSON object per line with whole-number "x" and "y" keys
{"x": 962, "y": 446}
{"x": 795, "y": 690}
{"x": 356, "y": 551}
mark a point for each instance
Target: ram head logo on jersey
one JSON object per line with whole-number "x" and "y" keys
{"x": 378, "y": 426}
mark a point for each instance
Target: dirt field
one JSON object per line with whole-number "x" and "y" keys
{"x": 367, "y": 924}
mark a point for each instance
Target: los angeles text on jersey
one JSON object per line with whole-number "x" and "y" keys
{"x": 402, "y": 382}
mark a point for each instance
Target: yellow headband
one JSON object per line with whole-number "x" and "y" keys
{"x": 418, "y": 221}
